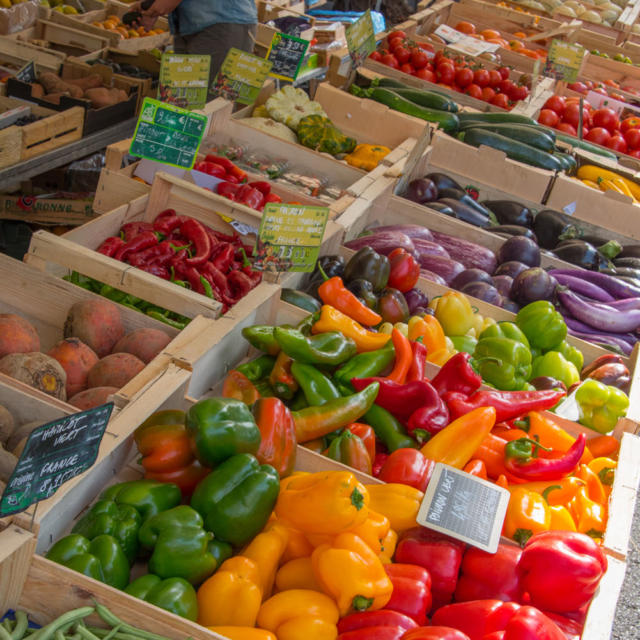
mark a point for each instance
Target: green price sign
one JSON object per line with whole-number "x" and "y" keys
{"x": 168, "y": 134}
{"x": 184, "y": 80}
{"x": 361, "y": 38}
{"x": 241, "y": 77}
{"x": 289, "y": 238}
{"x": 564, "y": 61}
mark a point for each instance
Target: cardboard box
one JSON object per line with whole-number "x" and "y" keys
{"x": 47, "y": 211}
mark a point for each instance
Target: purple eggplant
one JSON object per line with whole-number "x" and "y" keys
{"x": 384, "y": 242}
{"x": 614, "y": 286}
{"x": 446, "y": 268}
{"x": 533, "y": 284}
{"x": 521, "y": 249}
{"x": 428, "y": 248}
{"x": 512, "y": 268}
{"x": 411, "y": 230}
{"x": 584, "y": 287}
{"x": 630, "y": 251}
{"x": 606, "y": 340}
{"x": 470, "y": 275}
{"x": 472, "y": 256}
{"x": 415, "y": 299}
{"x": 483, "y": 291}
{"x": 432, "y": 277}
{"x": 604, "y": 319}
{"x": 422, "y": 191}
{"x": 510, "y": 305}
{"x": 503, "y": 284}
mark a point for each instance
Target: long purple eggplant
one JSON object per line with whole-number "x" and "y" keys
{"x": 472, "y": 256}
{"x": 428, "y": 248}
{"x": 411, "y": 230}
{"x": 432, "y": 277}
{"x": 576, "y": 325}
{"x": 614, "y": 286}
{"x": 583, "y": 287}
{"x": 383, "y": 242}
{"x": 604, "y": 339}
{"x": 624, "y": 304}
{"x": 605, "y": 319}
{"x": 446, "y": 268}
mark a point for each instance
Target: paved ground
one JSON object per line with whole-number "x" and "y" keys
{"x": 627, "y": 622}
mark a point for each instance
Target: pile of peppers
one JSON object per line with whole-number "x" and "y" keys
{"x": 186, "y": 252}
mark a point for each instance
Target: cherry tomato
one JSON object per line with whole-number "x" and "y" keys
{"x": 500, "y": 100}
{"x": 606, "y": 118}
{"x": 419, "y": 59}
{"x": 395, "y": 43}
{"x": 565, "y": 127}
{"x": 580, "y": 87}
{"x": 445, "y": 72}
{"x": 376, "y": 55}
{"x": 506, "y": 86}
{"x": 481, "y": 78}
{"x": 504, "y": 72}
{"x": 407, "y": 68}
{"x": 390, "y": 60}
{"x": 520, "y": 92}
{"x": 425, "y": 74}
{"x": 632, "y": 122}
{"x": 548, "y": 118}
{"x": 494, "y": 78}
{"x": 601, "y": 90}
{"x": 474, "y": 91}
{"x": 402, "y": 55}
{"x": 612, "y": 83}
{"x": 598, "y": 135}
{"x": 572, "y": 115}
{"x": 556, "y": 103}
{"x": 488, "y": 94}
{"x": 618, "y": 96}
{"x": 397, "y": 34}
{"x": 632, "y": 138}
{"x": 617, "y": 143}
{"x": 464, "y": 77}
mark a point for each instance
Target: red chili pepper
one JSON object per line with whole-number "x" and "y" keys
{"x": 489, "y": 575}
{"x": 166, "y": 214}
{"x": 143, "y": 241}
{"x": 378, "y": 462}
{"x": 217, "y": 279}
{"x": 240, "y": 284}
{"x": 508, "y": 404}
{"x": 418, "y": 362}
{"x": 191, "y": 275}
{"x": 255, "y": 276}
{"x": 411, "y": 594}
{"x": 521, "y": 461}
{"x": 179, "y": 259}
{"x": 160, "y": 254}
{"x": 383, "y": 624}
{"x": 223, "y": 237}
{"x": 228, "y": 190}
{"x": 132, "y": 229}
{"x": 405, "y": 270}
{"x": 110, "y": 246}
{"x": 426, "y": 421}
{"x": 167, "y": 224}
{"x": 250, "y": 197}
{"x": 262, "y": 186}
{"x": 194, "y": 232}
{"x": 156, "y": 270}
{"x": 457, "y": 375}
{"x": 223, "y": 256}
{"x": 366, "y": 434}
{"x": 407, "y": 466}
{"x": 221, "y": 160}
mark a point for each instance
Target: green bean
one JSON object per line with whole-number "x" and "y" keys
{"x": 85, "y": 633}
{"x": 113, "y": 620}
{"x": 8, "y": 624}
{"x": 4, "y": 634}
{"x": 68, "y": 618}
{"x": 113, "y": 632}
{"x": 22, "y": 623}
{"x": 58, "y": 635}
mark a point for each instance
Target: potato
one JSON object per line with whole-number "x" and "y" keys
{"x": 88, "y": 82}
{"x": 37, "y": 370}
{"x": 100, "y": 97}
{"x": 7, "y": 464}
{"x": 7, "y": 425}
{"x": 91, "y": 398}
{"x": 37, "y": 90}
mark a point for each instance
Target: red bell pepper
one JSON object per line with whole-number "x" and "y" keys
{"x": 407, "y": 466}
{"x": 476, "y": 618}
{"x": 508, "y": 404}
{"x": 571, "y": 628}
{"x": 528, "y": 623}
{"x": 250, "y": 197}
{"x": 374, "y": 625}
{"x": 278, "y": 431}
{"x": 489, "y": 575}
{"x": 272, "y": 197}
{"x": 440, "y": 555}
{"x": 186, "y": 478}
{"x": 262, "y": 186}
{"x": 366, "y": 434}
{"x": 418, "y": 361}
{"x": 457, "y": 375}
{"x": 378, "y": 462}
{"x": 435, "y": 633}
{"x": 405, "y": 270}
{"x": 411, "y": 591}
{"x": 195, "y": 232}
{"x": 228, "y": 190}
{"x": 110, "y": 246}
{"x": 561, "y": 570}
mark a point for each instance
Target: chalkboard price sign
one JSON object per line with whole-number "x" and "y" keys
{"x": 55, "y": 453}
{"x": 27, "y": 73}
{"x": 168, "y": 134}
{"x": 464, "y": 507}
{"x": 286, "y": 53}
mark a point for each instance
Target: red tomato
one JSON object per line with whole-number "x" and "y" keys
{"x": 481, "y": 78}
{"x": 572, "y": 115}
{"x": 617, "y": 143}
{"x": 548, "y": 118}
{"x": 395, "y": 43}
{"x": 565, "y": 127}
{"x": 588, "y": 84}
{"x": 474, "y": 91}
{"x": 425, "y": 74}
{"x": 500, "y": 100}
{"x": 419, "y": 59}
{"x": 488, "y": 94}
{"x": 632, "y": 138}
{"x": 598, "y": 135}
{"x": 397, "y": 34}
{"x": 504, "y": 72}
{"x": 376, "y": 55}
{"x": 464, "y": 77}
{"x": 520, "y": 92}
{"x": 580, "y": 87}
{"x": 402, "y": 55}
{"x": 635, "y": 153}
{"x": 390, "y": 60}
{"x": 630, "y": 123}
{"x": 556, "y": 103}
{"x": 494, "y": 78}
{"x": 506, "y": 86}
{"x": 445, "y": 72}
{"x": 407, "y": 68}
{"x": 606, "y": 118}
{"x": 618, "y": 96}
{"x": 601, "y": 90}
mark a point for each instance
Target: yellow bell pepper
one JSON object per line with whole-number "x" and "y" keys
{"x": 595, "y": 488}
{"x": 266, "y": 550}
{"x": 455, "y": 313}
{"x": 367, "y": 156}
{"x": 399, "y": 503}
{"x": 243, "y": 633}
{"x": 561, "y": 519}
{"x": 590, "y": 517}
{"x": 297, "y": 574}
{"x": 300, "y": 614}
{"x": 231, "y": 596}
{"x": 389, "y": 543}
{"x": 327, "y": 502}
{"x": 297, "y": 545}
{"x": 527, "y": 513}
{"x": 351, "y": 573}
{"x": 459, "y": 440}
{"x": 429, "y": 330}
{"x": 333, "y": 320}
{"x": 556, "y": 492}
{"x": 596, "y": 174}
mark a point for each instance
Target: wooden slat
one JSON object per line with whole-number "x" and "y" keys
{"x": 16, "y": 552}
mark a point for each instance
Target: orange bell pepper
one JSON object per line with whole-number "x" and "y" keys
{"x": 476, "y": 468}
{"x": 603, "y": 446}
{"x": 590, "y": 517}
{"x": 595, "y": 488}
{"x": 604, "y": 468}
{"x": 243, "y": 633}
{"x": 431, "y": 332}
{"x": 555, "y": 492}
{"x": 561, "y": 519}
{"x": 238, "y": 386}
{"x": 297, "y": 574}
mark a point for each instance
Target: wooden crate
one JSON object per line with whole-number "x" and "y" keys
{"x": 20, "y": 53}
{"x": 59, "y": 37}
{"x": 18, "y": 17}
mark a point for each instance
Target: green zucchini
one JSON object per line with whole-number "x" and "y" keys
{"x": 569, "y": 162}
{"x": 494, "y": 117}
{"x": 586, "y": 146}
{"x": 390, "y": 83}
{"x": 300, "y": 299}
{"x": 428, "y": 99}
{"x": 533, "y": 136}
{"x": 448, "y": 122}
{"x": 514, "y": 149}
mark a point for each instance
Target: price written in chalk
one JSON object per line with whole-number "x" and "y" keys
{"x": 286, "y": 53}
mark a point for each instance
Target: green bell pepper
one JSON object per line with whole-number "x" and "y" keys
{"x": 258, "y": 368}
{"x": 368, "y": 265}
{"x": 464, "y": 343}
{"x": 101, "y": 558}
{"x": 505, "y": 330}
{"x": 261, "y": 337}
{"x": 220, "y": 428}
{"x": 572, "y": 354}
{"x": 542, "y": 324}
{"x": 364, "y": 365}
{"x": 236, "y": 499}
{"x": 503, "y": 363}
{"x": 554, "y": 365}
{"x": 221, "y": 551}
{"x": 298, "y": 402}
{"x": 317, "y": 388}
{"x": 330, "y": 348}
{"x": 148, "y": 497}
{"x": 173, "y": 594}
{"x": 601, "y": 406}
{"x": 122, "y": 521}
{"x": 179, "y": 545}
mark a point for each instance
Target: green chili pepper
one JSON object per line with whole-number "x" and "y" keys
{"x": 261, "y": 336}
{"x": 330, "y": 348}
{"x": 258, "y": 368}
{"x": 364, "y": 365}
{"x": 317, "y": 388}
{"x": 389, "y": 429}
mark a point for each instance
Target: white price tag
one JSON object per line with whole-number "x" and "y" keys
{"x": 449, "y": 33}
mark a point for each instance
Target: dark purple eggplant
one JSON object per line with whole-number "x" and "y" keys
{"x": 512, "y": 268}
{"x": 411, "y": 230}
{"x": 451, "y": 193}
{"x": 432, "y": 277}
{"x": 470, "y": 275}
{"x": 614, "y": 286}
{"x": 503, "y": 284}
{"x": 533, "y": 284}
{"x": 428, "y": 248}
{"x": 521, "y": 249}
{"x": 634, "y": 263}
{"x": 415, "y": 298}
{"x": 604, "y": 340}
{"x": 551, "y": 227}
{"x": 383, "y": 242}
{"x": 421, "y": 191}
{"x": 608, "y": 319}
{"x": 543, "y": 383}
{"x": 483, "y": 291}
{"x": 584, "y": 287}
{"x": 464, "y": 212}
{"x": 627, "y": 272}
{"x": 509, "y": 212}
{"x": 508, "y": 230}
{"x": 442, "y": 208}
{"x": 446, "y": 268}
{"x": 585, "y": 255}
{"x": 630, "y": 251}
{"x": 510, "y": 305}
{"x": 472, "y": 255}
{"x": 443, "y": 181}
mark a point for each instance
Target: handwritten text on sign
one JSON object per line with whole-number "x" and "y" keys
{"x": 54, "y": 454}
{"x": 286, "y": 53}
{"x": 184, "y": 80}
{"x": 241, "y": 76}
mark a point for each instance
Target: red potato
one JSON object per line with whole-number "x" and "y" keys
{"x": 17, "y": 335}
{"x": 145, "y": 344}
{"x": 91, "y": 398}
{"x": 97, "y": 323}
{"x": 114, "y": 370}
